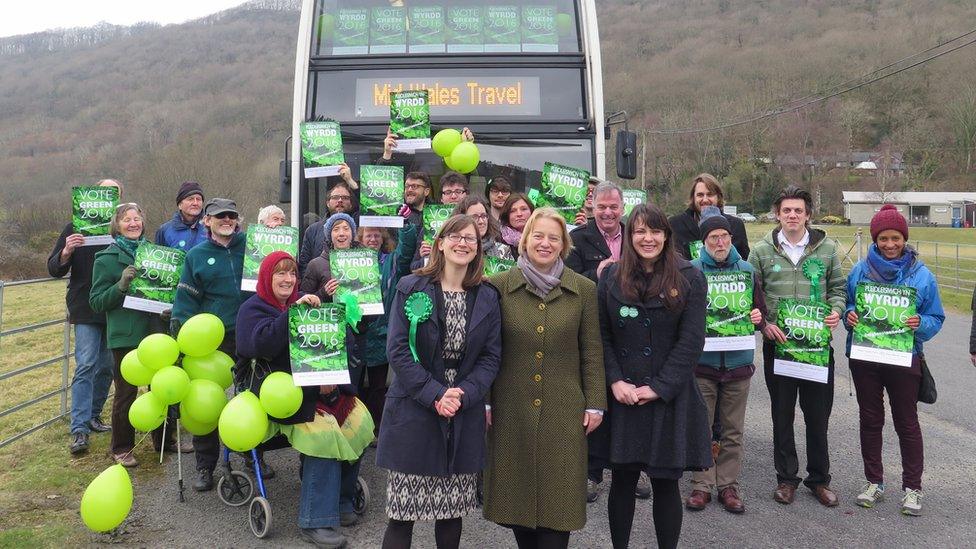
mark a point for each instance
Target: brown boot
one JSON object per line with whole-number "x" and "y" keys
{"x": 729, "y": 498}
{"x": 825, "y": 495}
{"x": 785, "y": 492}
{"x": 698, "y": 500}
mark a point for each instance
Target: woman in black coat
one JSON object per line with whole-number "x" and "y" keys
{"x": 432, "y": 436}
{"x": 652, "y": 319}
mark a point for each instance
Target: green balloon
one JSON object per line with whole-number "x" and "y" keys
{"x": 201, "y": 335}
{"x": 216, "y": 367}
{"x": 203, "y": 402}
{"x": 243, "y": 424}
{"x": 280, "y": 397}
{"x": 565, "y": 24}
{"x": 326, "y": 27}
{"x": 133, "y": 371}
{"x": 107, "y": 500}
{"x": 170, "y": 384}
{"x": 444, "y": 142}
{"x": 147, "y": 412}
{"x": 157, "y": 350}
{"x": 193, "y": 426}
{"x": 447, "y": 162}
{"x": 465, "y": 157}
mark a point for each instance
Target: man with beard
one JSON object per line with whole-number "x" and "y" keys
{"x": 211, "y": 283}
{"x": 339, "y": 199}
{"x": 185, "y": 229}
{"x": 705, "y": 191}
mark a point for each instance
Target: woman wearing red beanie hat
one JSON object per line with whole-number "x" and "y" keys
{"x": 891, "y": 261}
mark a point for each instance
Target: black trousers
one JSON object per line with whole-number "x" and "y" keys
{"x": 816, "y": 402}
{"x": 207, "y": 447}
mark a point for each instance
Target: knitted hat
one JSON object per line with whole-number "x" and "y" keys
{"x": 712, "y": 219}
{"x": 887, "y": 218}
{"x": 187, "y": 189}
{"x": 333, "y": 219}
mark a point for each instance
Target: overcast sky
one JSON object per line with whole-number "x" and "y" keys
{"x": 20, "y": 17}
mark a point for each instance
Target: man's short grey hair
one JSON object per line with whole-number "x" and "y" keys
{"x": 267, "y": 211}
{"x": 116, "y": 181}
{"x": 608, "y": 187}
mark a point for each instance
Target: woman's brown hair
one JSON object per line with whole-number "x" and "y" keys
{"x": 115, "y": 228}
{"x": 509, "y": 202}
{"x": 437, "y": 263}
{"x": 665, "y": 279}
{"x": 286, "y": 264}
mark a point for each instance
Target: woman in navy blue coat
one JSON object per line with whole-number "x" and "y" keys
{"x": 432, "y": 436}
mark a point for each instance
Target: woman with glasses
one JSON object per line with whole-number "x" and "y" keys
{"x": 488, "y": 229}
{"x": 432, "y": 433}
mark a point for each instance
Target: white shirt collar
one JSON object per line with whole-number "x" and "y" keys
{"x": 802, "y": 243}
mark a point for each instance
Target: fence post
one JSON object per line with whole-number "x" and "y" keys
{"x": 958, "y": 284}
{"x": 857, "y": 241}
{"x": 2, "y": 283}
{"x": 64, "y": 366}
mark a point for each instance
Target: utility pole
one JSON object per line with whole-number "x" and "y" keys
{"x": 644, "y": 160}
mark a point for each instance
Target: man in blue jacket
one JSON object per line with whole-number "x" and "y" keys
{"x": 185, "y": 230}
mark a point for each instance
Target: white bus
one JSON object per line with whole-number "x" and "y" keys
{"x": 525, "y": 76}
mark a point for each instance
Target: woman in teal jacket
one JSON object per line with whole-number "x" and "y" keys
{"x": 891, "y": 261}
{"x": 111, "y": 275}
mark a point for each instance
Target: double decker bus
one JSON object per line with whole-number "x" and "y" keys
{"x": 524, "y": 75}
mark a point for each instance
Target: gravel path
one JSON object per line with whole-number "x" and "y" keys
{"x": 159, "y": 520}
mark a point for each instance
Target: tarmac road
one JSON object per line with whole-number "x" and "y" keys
{"x": 949, "y": 483}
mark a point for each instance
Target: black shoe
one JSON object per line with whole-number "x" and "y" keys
{"x": 643, "y": 489}
{"x": 592, "y": 490}
{"x": 267, "y": 473}
{"x": 324, "y": 537}
{"x": 79, "y": 443}
{"x": 99, "y": 426}
{"x": 348, "y": 519}
{"x": 204, "y": 481}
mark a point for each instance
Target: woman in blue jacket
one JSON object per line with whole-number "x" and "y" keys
{"x": 891, "y": 261}
{"x": 432, "y": 437}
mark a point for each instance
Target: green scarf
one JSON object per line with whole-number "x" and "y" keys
{"x": 128, "y": 246}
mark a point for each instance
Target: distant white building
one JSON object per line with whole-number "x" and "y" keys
{"x": 924, "y": 208}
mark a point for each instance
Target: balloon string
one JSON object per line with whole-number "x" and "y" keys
{"x": 129, "y": 453}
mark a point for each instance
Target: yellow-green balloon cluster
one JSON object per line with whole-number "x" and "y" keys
{"x": 459, "y": 155}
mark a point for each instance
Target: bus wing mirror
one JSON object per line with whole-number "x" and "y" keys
{"x": 626, "y": 154}
{"x": 284, "y": 182}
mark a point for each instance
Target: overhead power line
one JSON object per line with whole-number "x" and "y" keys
{"x": 812, "y": 99}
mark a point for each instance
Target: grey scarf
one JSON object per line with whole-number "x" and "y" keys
{"x": 540, "y": 283}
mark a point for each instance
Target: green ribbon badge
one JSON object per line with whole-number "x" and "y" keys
{"x": 626, "y": 311}
{"x": 353, "y": 313}
{"x": 417, "y": 308}
{"x": 814, "y": 269}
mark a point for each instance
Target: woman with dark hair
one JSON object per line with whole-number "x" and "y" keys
{"x": 444, "y": 345}
{"x": 652, "y": 319}
{"x": 513, "y": 217}
{"x": 331, "y": 429}
{"x": 488, "y": 229}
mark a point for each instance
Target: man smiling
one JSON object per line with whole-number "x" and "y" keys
{"x": 705, "y": 191}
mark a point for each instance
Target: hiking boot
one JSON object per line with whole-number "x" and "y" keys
{"x": 911, "y": 504}
{"x": 592, "y": 490}
{"x": 204, "y": 481}
{"x": 79, "y": 443}
{"x": 643, "y": 489}
{"x": 185, "y": 447}
{"x": 97, "y": 425}
{"x": 267, "y": 473}
{"x": 324, "y": 537}
{"x": 872, "y": 494}
{"x": 125, "y": 459}
{"x": 348, "y": 519}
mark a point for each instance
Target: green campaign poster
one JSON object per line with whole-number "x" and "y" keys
{"x": 388, "y": 30}
{"x": 728, "y": 304}
{"x": 539, "y": 29}
{"x": 259, "y": 243}
{"x": 435, "y": 215}
{"x": 633, "y": 197}
{"x": 503, "y": 29}
{"x": 351, "y": 35}
{"x": 427, "y": 29}
{"x": 380, "y": 195}
{"x": 410, "y": 119}
{"x": 695, "y": 248}
{"x": 495, "y": 265}
{"x": 317, "y": 344}
{"x": 358, "y": 272}
{"x": 807, "y": 349}
{"x": 321, "y": 148}
{"x": 158, "y": 270}
{"x": 92, "y": 209}
{"x": 881, "y": 334}
{"x": 464, "y": 29}
{"x": 564, "y": 189}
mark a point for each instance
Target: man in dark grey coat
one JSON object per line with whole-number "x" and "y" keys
{"x": 705, "y": 191}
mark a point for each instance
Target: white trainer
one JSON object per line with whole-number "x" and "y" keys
{"x": 911, "y": 504}
{"x": 872, "y": 494}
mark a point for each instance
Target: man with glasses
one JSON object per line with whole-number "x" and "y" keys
{"x": 339, "y": 199}
{"x": 185, "y": 229}
{"x": 498, "y": 190}
{"x": 211, "y": 283}
{"x": 454, "y": 188}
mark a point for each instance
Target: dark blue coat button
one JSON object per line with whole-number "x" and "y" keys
{"x": 647, "y": 351}
{"x": 623, "y": 352}
{"x": 621, "y": 323}
{"x": 647, "y": 323}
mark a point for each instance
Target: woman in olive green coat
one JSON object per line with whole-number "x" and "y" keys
{"x": 111, "y": 276}
{"x": 550, "y": 392}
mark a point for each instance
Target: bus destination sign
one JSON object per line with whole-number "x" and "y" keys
{"x": 454, "y": 96}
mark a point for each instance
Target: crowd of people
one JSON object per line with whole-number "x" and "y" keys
{"x": 587, "y": 355}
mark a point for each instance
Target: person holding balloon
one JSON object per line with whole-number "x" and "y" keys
{"x": 327, "y": 424}
{"x": 112, "y": 273}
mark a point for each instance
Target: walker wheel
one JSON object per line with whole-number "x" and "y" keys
{"x": 236, "y": 489}
{"x": 361, "y": 502}
{"x": 259, "y": 516}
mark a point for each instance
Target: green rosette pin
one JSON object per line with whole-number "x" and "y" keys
{"x": 814, "y": 269}
{"x": 353, "y": 313}
{"x": 417, "y": 308}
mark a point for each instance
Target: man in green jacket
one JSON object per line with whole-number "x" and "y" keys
{"x": 786, "y": 261}
{"x": 211, "y": 283}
